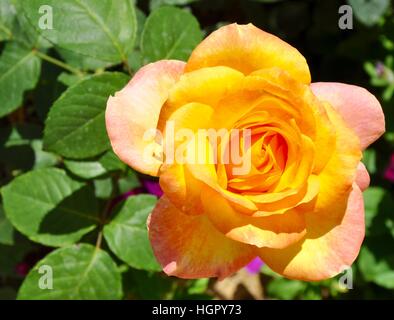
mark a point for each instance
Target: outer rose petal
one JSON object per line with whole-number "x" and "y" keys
{"x": 322, "y": 256}
{"x": 359, "y": 108}
{"x": 362, "y": 177}
{"x": 136, "y": 108}
{"x": 190, "y": 247}
{"x": 247, "y": 49}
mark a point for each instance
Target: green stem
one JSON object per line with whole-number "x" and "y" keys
{"x": 59, "y": 63}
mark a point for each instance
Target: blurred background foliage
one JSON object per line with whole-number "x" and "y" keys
{"x": 90, "y": 178}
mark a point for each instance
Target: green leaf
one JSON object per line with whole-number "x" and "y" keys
{"x": 19, "y": 72}
{"x": 154, "y": 4}
{"x": 170, "y": 33}
{"x": 369, "y": 12}
{"x": 111, "y": 162}
{"x": 127, "y": 234}
{"x": 285, "y": 289}
{"x": 376, "y": 262}
{"x": 82, "y": 62}
{"x": 103, "y": 188}
{"x": 198, "y": 286}
{"x": 147, "y": 285}
{"x": 75, "y": 127}
{"x": 378, "y": 203}
{"x": 22, "y": 148}
{"x": 48, "y": 89}
{"x": 42, "y": 159}
{"x": 369, "y": 160}
{"x": 69, "y": 79}
{"x": 104, "y": 29}
{"x": 129, "y": 182}
{"x": 49, "y": 207}
{"x": 85, "y": 169}
{"x": 141, "y": 19}
{"x": 80, "y": 272}
{"x": 385, "y": 279}
{"x": 6, "y": 229}
{"x": 7, "y": 17}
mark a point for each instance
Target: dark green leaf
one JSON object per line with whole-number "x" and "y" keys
{"x": 49, "y": 207}
{"x": 170, "y": 33}
{"x": 104, "y": 29}
{"x": 19, "y": 72}
{"x": 6, "y": 229}
{"x": 75, "y": 127}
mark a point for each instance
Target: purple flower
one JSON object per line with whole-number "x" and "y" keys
{"x": 153, "y": 187}
{"x": 255, "y": 265}
{"x": 389, "y": 173}
{"x": 380, "y": 69}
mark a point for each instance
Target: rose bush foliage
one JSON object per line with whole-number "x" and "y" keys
{"x": 69, "y": 202}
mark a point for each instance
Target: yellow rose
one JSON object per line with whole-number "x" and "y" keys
{"x": 294, "y": 199}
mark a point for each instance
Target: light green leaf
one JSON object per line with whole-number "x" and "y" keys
{"x": 19, "y": 72}
{"x": 49, "y": 207}
{"x": 385, "y": 279}
{"x": 85, "y": 169}
{"x": 7, "y": 17}
{"x": 285, "y": 289}
{"x": 369, "y": 160}
{"x": 103, "y": 188}
{"x": 170, "y": 33}
{"x": 75, "y": 127}
{"x": 127, "y": 234}
{"x": 42, "y": 159}
{"x": 69, "y": 79}
{"x": 80, "y": 272}
{"x": 104, "y": 29}
{"x": 154, "y": 4}
{"x": 6, "y": 229}
{"x": 378, "y": 203}
{"x": 369, "y": 11}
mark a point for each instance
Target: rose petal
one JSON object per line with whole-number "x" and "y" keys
{"x": 136, "y": 108}
{"x": 247, "y": 48}
{"x": 362, "y": 177}
{"x": 275, "y": 231}
{"x": 190, "y": 247}
{"x": 359, "y": 108}
{"x": 330, "y": 247}
{"x": 335, "y": 227}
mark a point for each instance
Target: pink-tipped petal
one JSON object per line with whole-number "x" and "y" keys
{"x": 189, "y": 246}
{"x": 330, "y": 248}
{"x": 362, "y": 177}
{"x": 135, "y": 109}
{"x": 358, "y": 107}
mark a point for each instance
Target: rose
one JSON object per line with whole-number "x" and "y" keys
{"x": 298, "y": 207}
